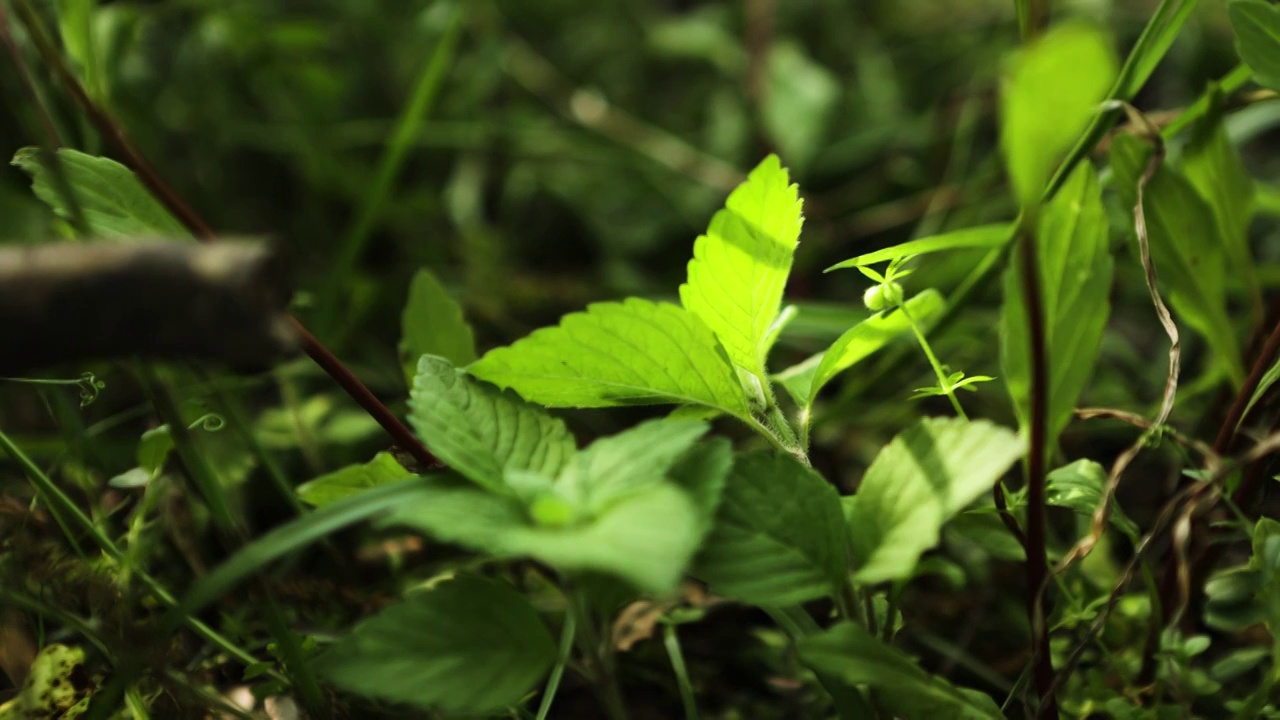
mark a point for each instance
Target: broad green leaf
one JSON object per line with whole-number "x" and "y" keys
{"x": 432, "y": 324}
{"x": 740, "y": 266}
{"x": 703, "y": 473}
{"x": 804, "y": 380}
{"x": 1050, "y": 90}
{"x": 1213, "y": 166}
{"x": 779, "y": 537}
{"x": 1184, "y": 249}
{"x": 635, "y": 352}
{"x": 982, "y": 236}
{"x": 1079, "y": 486}
{"x": 1257, "y": 26}
{"x": 926, "y": 475}
{"x": 1075, "y": 270}
{"x": 622, "y": 464}
{"x": 469, "y": 644}
{"x": 114, "y": 201}
{"x": 341, "y": 484}
{"x": 799, "y": 105}
{"x": 646, "y": 538}
{"x": 851, "y": 654}
{"x": 481, "y": 431}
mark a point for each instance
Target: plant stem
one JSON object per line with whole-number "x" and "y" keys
{"x": 601, "y": 665}
{"x": 687, "y": 697}
{"x": 1037, "y": 562}
{"x": 943, "y": 381}
{"x": 567, "y": 635}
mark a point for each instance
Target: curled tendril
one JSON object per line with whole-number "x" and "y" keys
{"x": 209, "y": 422}
{"x": 90, "y": 386}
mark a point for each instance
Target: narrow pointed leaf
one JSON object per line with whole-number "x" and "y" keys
{"x": 1050, "y": 91}
{"x": 1075, "y": 282}
{"x": 740, "y": 266}
{"x": 921, "y": 479}
{"x": 630, "y": 353}
{"x": 779, "y": 537}
{"x": 469, "y": 644}
{"x": 481, "y": 431}
{"x": 432, "y": 324}
{"x": 115, "y": 203}
{"x": 982, "y": 236}
{"x": 1185, "y": 249}
{"x": 854, "y": 656}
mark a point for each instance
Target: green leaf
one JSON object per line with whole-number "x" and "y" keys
{"x": 630, "y": 353}
{"x": 622, "y": 464}
{"x": 154, "y": 448}
{"x": 114, "y": 201}
{"x": 432, "y": 324}
{"x": 740, "y": 266}
{"x": 804, "y": 380}
{"x": 852, "y": 655}
{"x": 1075, "y": 270}
{"x": 341, "y": 484}
{"x": 469, "y": 644}
{"x": 926, "y": 475}
{"x": 646, "y": 538}
{"x": 797, "y": 110}
{"x": 1266, "y": 561}
{"x": 702, "y": 473}
{"x": 982, "y": 236}
{"x": 1213, "y": 166}
{"x": 1050, "y": 90}
{"x": 1079, "y": 486}
{"x": 779, "y": 537}
{"x": 1257, "y": 26}
{"x": 481, "y": 431}
{"x": 1184, "y": 249}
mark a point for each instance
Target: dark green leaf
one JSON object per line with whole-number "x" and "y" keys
{"x": 1213, "y": 166}
{"x": 779, "y": 537}
{"x": 482, "y": 432}
{"x": 1257, "y": 26}
{"x": 1079, "y": 486}
{"x": 854, "y": 656}
{"x": 432, "y": 324}
{"x": 469, "y": 644}
{"x": 921, "y": 479}
{"x": 799, "y": 105}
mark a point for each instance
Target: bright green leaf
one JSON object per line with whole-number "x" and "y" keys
{"x": 1184, "y": 249}
{"x": 432, "y": 324}
{"x": 926, "y": 475}
{"x": 1213, "y": 166}
{"x": 740, "y": 266}
{"x": 646, "y": 538}
{"x": 982, "y": 236}
{"x": 798, "y": 107}
{"x": 1079, "y": 486}
{"x": 804, "y": 380}
{"x": 469, "y": 644}
{"x": 1075, "y": 269}
{"x": 779, "y": 537}
{"x": 1050, "y": 90}
{"x": 618, "y": 465}
{"x": 630, "y": 353}
{"x": 1257, "y": 26}
{"x": 851, "y": 654}
{"x": 114, "y": 201}
{"x": 341, "y": 484}
{"x": 480, "y": 431}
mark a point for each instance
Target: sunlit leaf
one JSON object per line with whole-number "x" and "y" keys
{"x": 921, "y": 479}
{"x": 1075, "y": 269}
{"x": 468, "y": 644}
{"x": 432, "y": 324}
{"x": 779, "y": 537}
{"x": 740, "y": 266}
{"x": 480, "y": 431}
{"x": 341, "y": 484}
{"x": 1049, "y": 92}
{"x": 982, "y": 236}
{"x": 630, "y": 353}
{"x": 113, "y": 200}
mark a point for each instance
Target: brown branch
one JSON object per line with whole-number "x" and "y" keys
{"x": 115, "y": 134}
